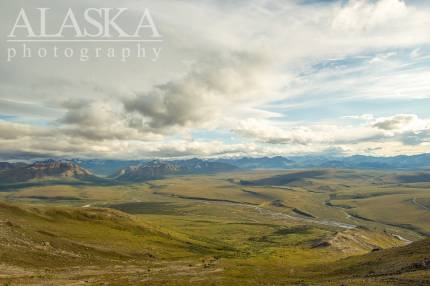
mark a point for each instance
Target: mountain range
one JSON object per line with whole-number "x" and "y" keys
{"x": 158, "y": 169}
{"x": 142, "y": 170}
{"x": 415, "y": 162}
{"x": 106, "y": 167}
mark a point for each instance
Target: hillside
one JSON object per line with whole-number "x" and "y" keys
{"x": 72, "y": 235}
{"x": 407, "y": 265}
{"x": 72, "y": 246}
{"x": 50, "y": 169}
{"x": 78, "y": 243}
{"x": 277, "y": 227}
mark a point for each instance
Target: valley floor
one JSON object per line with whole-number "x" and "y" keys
{"x": 255, "y": 228}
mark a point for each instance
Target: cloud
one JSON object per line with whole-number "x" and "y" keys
{"x": 402, "y": 123}
{"x": 264, "y": 140}
{"x": 266, "y": 132}
{"x": 26, "y": 143}
{"x": 309, "y": 134}
{"x": 214, "y": 87}
{"x": 416, "y": 138}
{"x": 228, "y": 65}
{"x": 98, "y": 121}
{"x": 11, "y": 131}
{"x": 365, "y": 117}
{"x": 87, "y": 113}
{"x": 405, "y": 128}
{"x": 363, "y": 15}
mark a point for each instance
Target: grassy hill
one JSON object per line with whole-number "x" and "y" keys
{"x": 81, "y": 236}
{"x": 73, "y": 245}
{"x": 407, "y": 265}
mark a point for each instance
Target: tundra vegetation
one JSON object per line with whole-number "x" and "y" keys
{"x": 311, "y": 227}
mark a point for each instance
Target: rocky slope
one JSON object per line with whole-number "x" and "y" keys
{"x": 50, "y": 169}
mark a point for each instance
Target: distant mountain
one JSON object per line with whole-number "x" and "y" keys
{"x": 6, "y": 166}
{"x": 50, "y": 169}
{"x": 141, "y": 170}
{"x": 196, "y": 166}
{"x": 277, "y": 162}
{"x": 414, "y": 162}
{"x": 367, "y": 162}
{"x": 148, "y": 171}
{"x": 105, "y": 167}
{"x": 158, "y": 169}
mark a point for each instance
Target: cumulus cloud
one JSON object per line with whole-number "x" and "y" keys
{"x": 12, "y": 130}
{"x": 416, "y": 138}
{"x": 219, "y": 85}
{"x": 360, "y": 117}
{"x": 26, "y": 143}
{"x": 98, "y": 121}
{"x": 363, "y": 15}
{"x": 402, "y": 123}
{"x": 407, "y": 128}
{"x": 305, "y": 135}
{"x": 269, "y": 133}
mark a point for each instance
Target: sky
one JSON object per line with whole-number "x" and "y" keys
{"x": 231, "y": 78}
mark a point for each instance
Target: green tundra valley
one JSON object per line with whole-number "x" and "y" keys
{"x": 62, "y": 225}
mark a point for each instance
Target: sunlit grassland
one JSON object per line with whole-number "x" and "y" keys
{"x": 334, "y": 196}
{"x": 204, "y": 230}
